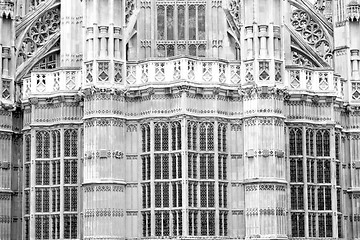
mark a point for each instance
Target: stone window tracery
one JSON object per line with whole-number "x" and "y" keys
{"x": 40, "y": 32}
{"x": 174, "y": 39}
{"x": 42, "y": 144}
{"x": 295, "y": 141}
{"x": 70, "y": 143}
{"x": 312, "y": 33}
{"x": 322, "y": 143}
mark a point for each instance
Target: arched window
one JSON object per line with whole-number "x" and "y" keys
{"x": 176, "y": 135}
{"x": 145, "y": 137}
{"x": 310, "y": 142}
{"x": 222, "y": 137}
{"x": 70, "y": 143}
{"x": 42, "y": 144}
{"x": 323, "y": 143}
{"x": 56, "y": 144}
{"x": 192, "y": 135}
{"x": 207, "y": 137}
{"x": 295, "y": 139}
{"x": 161, "y": 137}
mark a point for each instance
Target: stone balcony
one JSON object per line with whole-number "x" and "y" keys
{"x": 317, "y": 81}
{"x": 51, "y": 82}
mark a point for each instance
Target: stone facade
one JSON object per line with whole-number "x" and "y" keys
{"x": 179, "y": 119}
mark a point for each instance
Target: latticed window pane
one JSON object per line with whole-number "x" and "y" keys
{"x": 310, "y": 170}
{"x": 70, "y": 143}
{"x": 74, "y": 199}
{"x": 39, "y": 173}
{"x": 321, "y": 223}
{"x": 56, "y": 143}
{"x": 327, "y": 198}
{"x": 181, "y": 22}
{"x": 74, "y": 169}
{"x": 310, "y": 142}
{"x": 297, "y": 224}
{"x": 337, "y": 146}
{"x": 67, "y": 199}
{"x": 161, "y": 22}
{"x": 321, "y": 195}
{"x": 27, "y": 148}
{"x": 192, "y": 22}
{"x": 27, "y": 175}
{"x": 320, "y": 171}
{"x": 295, "y": 141}
{"x": 319, "y": 141}
{"x": 211, "y": 166}
{"x": 211, "y": 195}
{"x": 146, "y": 224}
{"x": 165, "y": 197}
{"x": 170, "y": 22}
{"x": 157, "y": 166}
{"x": 42, "y": 144}
{"x": 27, "y": 201}
{"x": 201, "y": 22}
{"x": 165, "y": 137}
{"x": 210, "y": 137}
{"x": 202, "y": 137}
{"x": 326, "y": 144}
{"x": 158, "y": 195}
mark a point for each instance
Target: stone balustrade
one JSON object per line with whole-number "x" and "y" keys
{"x": 304, "y": 79}
{"x": 51, "y": 82}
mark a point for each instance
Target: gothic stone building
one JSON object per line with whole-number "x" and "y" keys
{"x": 179, "y": 119}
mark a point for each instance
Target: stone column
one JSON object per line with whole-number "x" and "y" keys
{"x": 104, "y": 167}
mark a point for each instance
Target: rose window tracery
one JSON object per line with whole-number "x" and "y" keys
{"x": 312, "y": 33}
{"x": 38, "y": 34}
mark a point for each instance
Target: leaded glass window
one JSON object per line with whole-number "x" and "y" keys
{"x": 296, "y": 170}
{"x": 56, "y": 144}
{"x": 161, "y": 137}
{"x": 176, "y": 166}
{"x": 222, "y": 137}
{"x": 295, "y": 141}
{"x": 172, "y": 38}
{"x": 71, "y": 143}
{"x": 145, "y": 136}
{"x": 297, "y": 225}
{"x": 146, "y": 167}
{"x": 146, "y": 224}
{"x": 310, "y": 142}
{"x": 323, "y": 143}
{"x": 297, "y": 197}
{"x": 70, "y": 226}
{"x": 162, "y": 223}
{"x": 42, "y": 144}
{"x": 176, "y": 135}
{"x": 161, "y": 166}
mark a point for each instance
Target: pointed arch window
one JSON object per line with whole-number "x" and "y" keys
{"x": 178, "y": 23}
{"x": 295, "y": 141}
{"x": 323, "y": 143}
{"x": 161, "y": 137}
{"x": 42, "y": 144}
{"x": 70, "y": 143}
{"x": 310, "y": 142}
{"x": 176, "y": 135}
{"x": 145, "y": 131}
